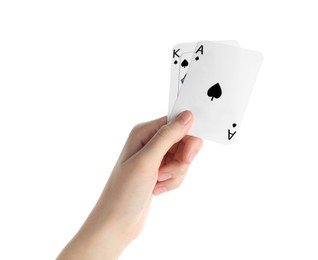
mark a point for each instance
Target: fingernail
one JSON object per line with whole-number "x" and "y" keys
{"x": 159, "y": 190}
{"x": 191, "y": 156}
{"x": 184, "y": 117}
{"x": 164, "y": 176}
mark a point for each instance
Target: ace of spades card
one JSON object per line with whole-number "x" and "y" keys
{"x": 182, "y": 56}
{"x": 217, "y": 89}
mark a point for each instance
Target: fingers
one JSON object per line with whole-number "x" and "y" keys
{"x": 167, "y": 136}
{"x": 191, "y": 148}
{"x": 179, "y": 159}
{"x": 168, "y": 185}
{"x": 174, "y": 169}
{"x": 181, "y": 154}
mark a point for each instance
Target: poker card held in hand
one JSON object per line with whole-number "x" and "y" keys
{"x": 214, "y": 80}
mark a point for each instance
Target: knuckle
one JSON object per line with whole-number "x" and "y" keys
{"x": 165, "y": 132}
{"x": 177, "y": 182}
{"x": 184, "y": 169}
{"x": 136, "y": 129}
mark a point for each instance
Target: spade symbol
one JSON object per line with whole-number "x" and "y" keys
{"x": 215, "y": 91}
{"x": 185, "y": 63}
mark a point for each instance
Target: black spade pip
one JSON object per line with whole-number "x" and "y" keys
{"x": 215, "y": 91}
{"x": 185, "y": 63}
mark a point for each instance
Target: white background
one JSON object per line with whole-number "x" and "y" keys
{"x": 76, "y": 76}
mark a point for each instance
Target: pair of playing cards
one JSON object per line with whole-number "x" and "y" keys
{"x": 214, "y": 80}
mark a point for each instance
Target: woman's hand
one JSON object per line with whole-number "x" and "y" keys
{"x": 155, "y": 159}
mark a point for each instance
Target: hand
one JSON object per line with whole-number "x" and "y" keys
{"x": 154, "y": 160}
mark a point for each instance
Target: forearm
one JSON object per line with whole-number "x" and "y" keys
{"x": 105, "y": 244}
{"x": 98, "y": 239}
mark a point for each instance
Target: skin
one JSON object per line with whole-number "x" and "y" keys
{"x": 155, "y": 159}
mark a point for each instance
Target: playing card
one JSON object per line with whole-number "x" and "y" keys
{"x": 217, "y": 90}
{"x": 181, "y": 59}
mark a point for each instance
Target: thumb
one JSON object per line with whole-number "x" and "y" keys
{"x": 167, "y": 136}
